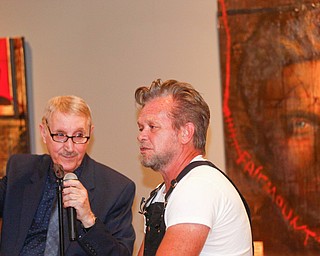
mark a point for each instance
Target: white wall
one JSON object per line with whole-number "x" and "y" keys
{"x": 102, "y": 51}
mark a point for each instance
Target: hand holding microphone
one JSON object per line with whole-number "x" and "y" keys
{"x": 75, "y": 199}
{"x": 71, "y": 212}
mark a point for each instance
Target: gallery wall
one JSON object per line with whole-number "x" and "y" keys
{"x": 102, "y": 51}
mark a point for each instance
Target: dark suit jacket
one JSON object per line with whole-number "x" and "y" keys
{"x": 111, "y": 196}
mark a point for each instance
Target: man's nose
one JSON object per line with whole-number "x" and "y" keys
{"x": 69, "y": 143}
{"x": 142, "y": 135}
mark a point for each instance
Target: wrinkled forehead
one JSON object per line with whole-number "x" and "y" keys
{"x": 69, "y": 119}
{"x": 157, "y": 105}
{"x": 155, "y": 109}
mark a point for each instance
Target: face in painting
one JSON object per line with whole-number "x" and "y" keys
{"x": 291, "y": 115}
{"x": 68, "y": 154}
{"x": 157, "y": 138}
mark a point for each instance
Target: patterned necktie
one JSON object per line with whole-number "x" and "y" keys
{"x": 52, "y": 243}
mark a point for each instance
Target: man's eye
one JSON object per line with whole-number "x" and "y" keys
{"x": 80, "y": 134}
{"x": 300, "y": 127}
{"x": 59, "y": 134}
{"x": 300, "y": 124}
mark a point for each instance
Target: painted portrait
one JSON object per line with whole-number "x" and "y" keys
{"x": 270, "y": 67}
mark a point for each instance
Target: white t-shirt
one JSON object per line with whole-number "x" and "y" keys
{"x": 205, "y": 196}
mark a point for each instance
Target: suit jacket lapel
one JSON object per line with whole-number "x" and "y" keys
{"x": 87, "y": 176}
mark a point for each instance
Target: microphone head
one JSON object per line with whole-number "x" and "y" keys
{"x": 70, "y": 176}
{"x": 58, "y": 170}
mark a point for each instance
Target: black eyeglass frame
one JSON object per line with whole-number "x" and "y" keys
{"x": 66, "y": 137}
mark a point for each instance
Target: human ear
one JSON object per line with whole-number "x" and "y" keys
{"x": 91, "y": 129}
{"x": 43, "y": 132}
{"x": 187, "y": 132}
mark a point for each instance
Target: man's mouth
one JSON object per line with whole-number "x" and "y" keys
{"x": 144, "y": 149}
{"x": 69, "y": 155}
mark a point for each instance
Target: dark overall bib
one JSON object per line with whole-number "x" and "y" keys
{"x": 154, "y": 212}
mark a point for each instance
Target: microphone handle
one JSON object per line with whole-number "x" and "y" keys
{"x": 71, "y": 212}
{"x": 72, "y": 217}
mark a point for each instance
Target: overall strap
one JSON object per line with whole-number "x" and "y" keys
{"x": 241, "y": 196}
{"x": 195, "y": 164}
{"x": 184, "y": 172}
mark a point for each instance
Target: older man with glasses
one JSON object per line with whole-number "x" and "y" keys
{"x": 100, "y": 196}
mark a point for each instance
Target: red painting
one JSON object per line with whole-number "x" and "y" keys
{"x": 14, "y": 131}
{"x": 6, "y": 97}
{"x": 270, "y": 66}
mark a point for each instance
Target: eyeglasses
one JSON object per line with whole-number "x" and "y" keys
{"x": 60, "y": 137}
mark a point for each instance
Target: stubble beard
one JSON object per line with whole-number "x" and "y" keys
{"x": 157, "y": 162}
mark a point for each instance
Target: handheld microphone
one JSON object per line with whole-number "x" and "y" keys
{"x": 71, "y": 212}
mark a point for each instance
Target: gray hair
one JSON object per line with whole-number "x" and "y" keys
{"x": 68, "y": 104}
